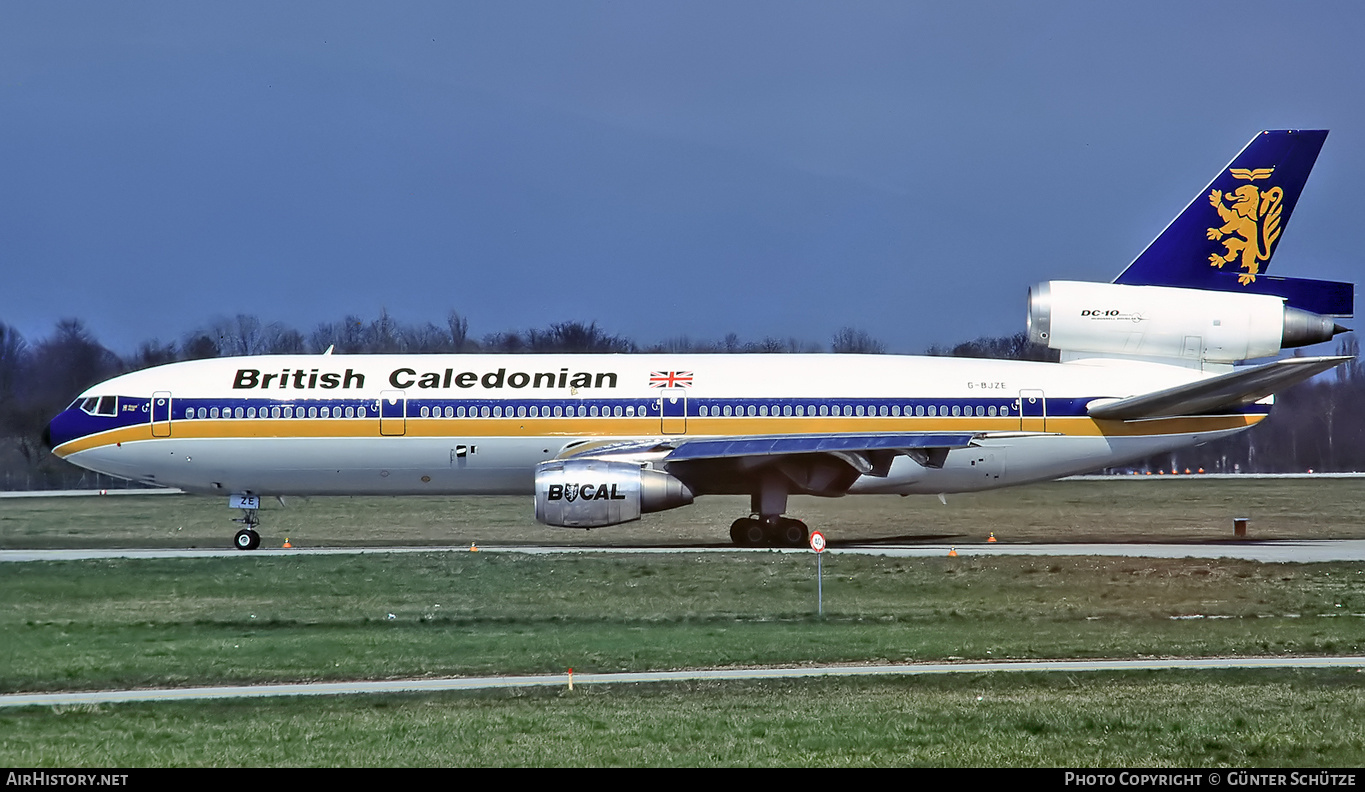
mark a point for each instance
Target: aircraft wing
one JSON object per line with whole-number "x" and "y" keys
{"x": 842, "y": 457}
{"x": 816, "y": 464}
{"x": 1234, "y": 389}
{"x": 782, "y": 445}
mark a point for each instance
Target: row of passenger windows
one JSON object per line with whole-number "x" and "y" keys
{"x": 278, "y": 412}
{"x": 848, "y": 410}
{"x": 558, "y": 411}
{"x": 628, "y": 411}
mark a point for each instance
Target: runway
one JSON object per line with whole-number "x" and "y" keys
{"x": 563, "y": 680}
{"x": 1267, "y": 552}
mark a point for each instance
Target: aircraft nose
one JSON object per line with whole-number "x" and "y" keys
{"x": 57, "y": 431}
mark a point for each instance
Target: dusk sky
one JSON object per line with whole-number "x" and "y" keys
{"x": 662, "y": 168}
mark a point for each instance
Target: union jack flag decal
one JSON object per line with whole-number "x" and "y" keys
{"x": 670, "y": 379}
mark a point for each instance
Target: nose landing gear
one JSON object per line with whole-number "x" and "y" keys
{"x": 247, "y": 538}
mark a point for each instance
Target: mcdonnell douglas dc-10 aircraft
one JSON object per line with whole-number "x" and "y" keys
{"x": 1146, "y": 367}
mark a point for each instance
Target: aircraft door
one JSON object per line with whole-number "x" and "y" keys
{"x": 1032, "y": 411}
{"x": 161, "y": 414}
{"x": 673, "y": 411}
{"x": 393, "y": 413}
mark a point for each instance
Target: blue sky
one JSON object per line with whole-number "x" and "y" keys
{"x": 664, "y": 169}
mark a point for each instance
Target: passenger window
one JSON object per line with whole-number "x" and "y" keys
{"x": 251, "y": 412}
{"x": 213, "y": 413}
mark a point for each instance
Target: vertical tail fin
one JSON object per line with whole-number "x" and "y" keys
{"x": 1225, "y": 238}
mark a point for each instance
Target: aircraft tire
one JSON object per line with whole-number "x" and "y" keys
{"x": 792, "y": 533}
{"x": 246, "y": 539}
{"x": 747, "y": 532}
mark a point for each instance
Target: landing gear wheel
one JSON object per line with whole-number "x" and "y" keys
{"x": 748, "y": 532}
{"x": 247, "y": 539}
{"x": 791, "y": 533}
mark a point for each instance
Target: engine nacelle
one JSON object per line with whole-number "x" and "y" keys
{"x": 588, "y": 493}
{"x": 1166, "y": 322}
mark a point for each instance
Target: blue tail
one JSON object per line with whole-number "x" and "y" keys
{"x": 1225, "y": 238}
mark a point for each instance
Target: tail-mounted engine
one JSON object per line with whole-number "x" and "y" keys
{"x": 587, "y": 493}
{"x": 1165, "y": 322}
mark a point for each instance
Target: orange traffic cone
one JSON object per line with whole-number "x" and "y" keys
{"x": 952, "y": 552}
{"x": 992, "y": 537}
{"x": 473, "y": 548}
{"x": 286, "y": 542}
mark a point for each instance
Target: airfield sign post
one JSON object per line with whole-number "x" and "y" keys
{"x": 817, "y": 543}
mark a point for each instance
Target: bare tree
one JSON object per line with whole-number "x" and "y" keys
{"x": 852, "y": 341}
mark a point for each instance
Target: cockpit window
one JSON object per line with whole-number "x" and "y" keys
{"x": 87, "y": 405}
{"x": 108, "y": 406}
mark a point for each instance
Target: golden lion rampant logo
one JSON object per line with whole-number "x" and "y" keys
{"x": 1251, "y": 223}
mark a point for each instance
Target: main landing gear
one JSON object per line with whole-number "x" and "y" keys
{"x": 778, "y": 531}
{"x": 766, "y": 525}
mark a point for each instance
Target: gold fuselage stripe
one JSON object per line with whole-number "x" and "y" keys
{"x": 626, "y": 428}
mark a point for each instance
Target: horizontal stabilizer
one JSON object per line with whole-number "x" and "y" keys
{"x": 731, "y": 447}
{"x": 1327, "y": 298}
{"x": 1234, "y": 389}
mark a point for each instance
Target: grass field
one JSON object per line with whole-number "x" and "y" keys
{"x": 1185, "y": 509}
{"x": 129, "y": 623}
{"x": 1167, "y": 719}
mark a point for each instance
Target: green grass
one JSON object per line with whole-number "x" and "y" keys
{"x": 79, "y": 625}
{"x": 1151, "y": 719}
{"x": 125, "y": 622}
{"x": 1068, "y": 511}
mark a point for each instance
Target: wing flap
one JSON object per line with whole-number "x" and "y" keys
{"x": 1234, "y": 389}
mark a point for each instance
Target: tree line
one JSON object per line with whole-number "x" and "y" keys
{"x": 1319, "y": 427}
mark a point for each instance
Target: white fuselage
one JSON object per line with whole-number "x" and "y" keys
{"x": 478, "y": 424}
